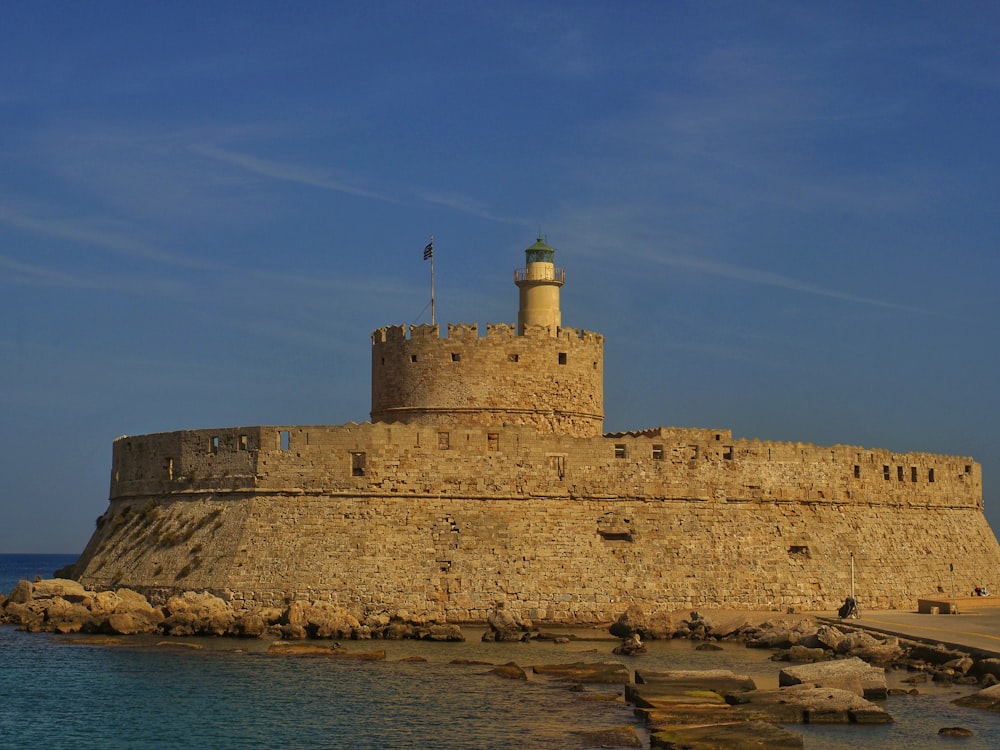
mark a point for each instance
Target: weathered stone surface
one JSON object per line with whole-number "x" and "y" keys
{"x": 612, "y": 737}
{"x": 505, "y": 624}
{"x": 987, "y": 699}
{"x": 852, "y": 674}
{"x": 635, "y": 621}
{"x": 586, "y": 672}
{"x": 956, "y": 732}
{"x": 197, "y": 613}
{"x": 809, "y": 705}
{"x": 755, "y": 735}
{"x": 510, "y": 671}
{"x": 62, "y": 587}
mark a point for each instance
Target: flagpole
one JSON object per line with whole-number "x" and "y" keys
{"x": 432, "y": 279}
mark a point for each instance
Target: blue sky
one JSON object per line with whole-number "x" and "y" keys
{"x": 782, "y": 216}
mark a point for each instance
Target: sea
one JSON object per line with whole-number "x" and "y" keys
{"x": 65, "y": 692}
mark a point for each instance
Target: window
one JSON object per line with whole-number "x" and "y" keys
{"x": 913, "y": 473}
{"x": 885, "y": 473}
{"x": 213, "y": 444}
{"x": 562, "y": 358}
{"x": 727, "y": 453}
{"x": 657, "y": 451}
{"x": 620, "y": 450}
{"x": 413, "y": 357}
{"x": 899, "y": 473}
{"x": 857, "y": 471}
{"x": 930, "y": 475}
{"x": 456, "y": 357}
{"x": 170, "y": 468}
{"x": 284, "y": 440}
{"x": 357, "y": 464}
{"x": 444, "y": 441}
{"x": 244, "y": 443}
{"x": 493, "y": 442}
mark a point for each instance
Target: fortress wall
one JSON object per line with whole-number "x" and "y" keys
{"x": 552, "y": 383}
{"x": 672, "y": 463}
{"x": 567, "y": 561}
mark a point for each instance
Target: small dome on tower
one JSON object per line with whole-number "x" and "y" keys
{"x": 540, "y": 253}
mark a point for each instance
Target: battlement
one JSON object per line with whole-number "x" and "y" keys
{"x": 550, "y": 380}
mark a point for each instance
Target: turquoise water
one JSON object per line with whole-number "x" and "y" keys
{"x": 58, "y": 694}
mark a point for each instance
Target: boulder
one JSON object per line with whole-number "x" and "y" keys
{"x": 987, "y": 699}
{"x": 510, "y": 671}
{"x": 852, "y": 674}
{"x": 21, "y": 593}
{"x": 635, "y": 621}
{"x": 66, "y": 588}
{"x": 505, "y": 625}
{"x": 586, "y": 672}
{"x": 807, "y": 704}
{"x": 751, "y": 734}
{"x": 198, "y": 613}
{"x": 630, "y": 647}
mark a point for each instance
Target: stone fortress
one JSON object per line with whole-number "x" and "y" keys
{"x": 484, "y": 476}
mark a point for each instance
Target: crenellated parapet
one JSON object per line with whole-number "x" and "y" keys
{"x": 551, "y": 382}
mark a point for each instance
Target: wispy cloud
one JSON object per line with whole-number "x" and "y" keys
{"x": 289, "y": 172}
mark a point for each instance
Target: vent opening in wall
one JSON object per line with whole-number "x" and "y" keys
{"x": 799, "y": 550}
{"x": 615, "y": 536}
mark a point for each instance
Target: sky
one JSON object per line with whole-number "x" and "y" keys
{"x": 783, "y": 216}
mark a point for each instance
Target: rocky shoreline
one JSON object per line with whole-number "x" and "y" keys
{"x": 834, "y": 671}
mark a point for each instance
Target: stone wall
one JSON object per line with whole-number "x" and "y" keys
{"x": 382, "y": 517}
{"x": 551, "y": 383}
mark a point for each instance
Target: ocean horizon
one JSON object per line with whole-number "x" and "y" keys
{"x": 61, "y": 692}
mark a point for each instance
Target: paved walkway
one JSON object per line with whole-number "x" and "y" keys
{"x": 977, "y": 630}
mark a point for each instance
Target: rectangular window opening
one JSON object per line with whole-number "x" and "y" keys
{"x": 444, "y": 441}
{"x": 562, "y": 358}
{"x": 968, "y": 468}
{"x": 244, "y": 443}
{"x": 857, "y": 471}
{"x": 930, "y": 475}
{"x": 913, "y": 473}
{"x": 885, "y": 472}
{"x": 899, "y": 473}
{"x": 284, "y": 440}
{"x": 357, "y": 464}
{"x": 493, "y": 442}
{"x": 727, "y": 453}
{"x": 456, "y": 357}
{"x": 170, "y": 468}
{"x": 213, "y": 444}
{"x": 620, "y": 450}
{"x": 657, "y": 452}
{"x": 413, "y": 357}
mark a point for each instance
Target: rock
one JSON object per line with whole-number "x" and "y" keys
{"x": 450, "y": 633}
{"x": 956, "y": 732}
{"x": 634, "y": 621}
{"x": 852, "y": 674}
{"x": 510, "y": 670}
{"x": 194, "y": 613}
{"x": 614, "y": 737}
{"x": 685, "y": 688}
{"x": 825, "y": 636}
{"x": 708, "y": 646}
{"x": 65, "y": 588}
{"x": 751, "y": 734}
{"x": 584, "y": 672}
{"x": 124, "y": 612}
{"x": 630, "y": 647}
{"x": 809, "y": 705}
{"x": 505, "y": 625}
{"x": 21, "y": 593}
{"x": 987, "y": 699}
{"x": 802, "y": 654}
{"x": 986, "y": 667}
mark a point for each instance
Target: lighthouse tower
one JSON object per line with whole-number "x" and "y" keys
{"x": 539, "y": 283}
{"x": 538, "y": 375}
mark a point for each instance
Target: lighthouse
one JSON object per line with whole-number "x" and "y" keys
{"x": 539, "y": 283}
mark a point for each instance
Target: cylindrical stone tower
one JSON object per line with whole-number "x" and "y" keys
{"x": 539, "y": 283}
{"x": 541, "y": 375}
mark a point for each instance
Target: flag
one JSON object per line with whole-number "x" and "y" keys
{"x": 429, "y": 250}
